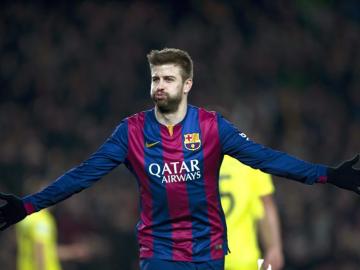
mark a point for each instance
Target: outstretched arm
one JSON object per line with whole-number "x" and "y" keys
{"x": 107, "y": 157}
{"x": 239, "y": 146}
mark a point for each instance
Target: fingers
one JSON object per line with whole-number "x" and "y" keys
{"x": 3, "y": 223}
{"x": 2, "y": 218}
{"x": 5, "y": 197}
{"x": 352, "y": 161}
{"x": 4, "y": 226}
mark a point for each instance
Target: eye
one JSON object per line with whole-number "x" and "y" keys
{"x": 155, "y": 79}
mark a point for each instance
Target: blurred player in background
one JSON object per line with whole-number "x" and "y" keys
{"x": 38, "y": 248}
{"x": 246, "y": 197}
{"x": 37, "y": 241}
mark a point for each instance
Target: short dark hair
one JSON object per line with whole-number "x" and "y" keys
{"x": 172, "y": 56}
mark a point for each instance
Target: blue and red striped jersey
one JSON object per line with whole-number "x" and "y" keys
{"x": 177, "y": 170}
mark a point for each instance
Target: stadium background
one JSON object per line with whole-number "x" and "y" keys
{"x": 288, "y": 73}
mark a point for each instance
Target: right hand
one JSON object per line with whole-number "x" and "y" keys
{"x": 12, "y": 211}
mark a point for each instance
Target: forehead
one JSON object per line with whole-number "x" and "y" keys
{"x": 166, "y": 70}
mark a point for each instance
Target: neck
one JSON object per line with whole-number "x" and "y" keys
{"x": 171, "y": 118}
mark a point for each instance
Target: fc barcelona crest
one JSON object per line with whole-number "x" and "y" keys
{"x": 192, "y": 141}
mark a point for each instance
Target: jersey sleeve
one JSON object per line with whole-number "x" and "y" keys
{"x": 239, "y": 146}
{"x": 112, "y": 153}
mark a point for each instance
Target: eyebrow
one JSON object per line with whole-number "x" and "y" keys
{"x": 165, "y": 76}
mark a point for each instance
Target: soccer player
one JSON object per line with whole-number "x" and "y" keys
{"x": 246, "y": 197}
{"x": 175, "y": 151}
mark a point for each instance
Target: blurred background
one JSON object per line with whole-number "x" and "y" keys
{"x": 287, "y": 72}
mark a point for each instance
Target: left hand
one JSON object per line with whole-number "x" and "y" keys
{"x": 345, "y": 176}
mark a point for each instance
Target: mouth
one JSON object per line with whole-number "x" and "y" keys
{"x": 160, "y": 96}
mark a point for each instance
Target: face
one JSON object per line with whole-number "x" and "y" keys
{"x": 168, "y": 90}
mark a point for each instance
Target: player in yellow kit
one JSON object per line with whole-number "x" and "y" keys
{"x": 37, "y": 243}
{"x": 246, "y": 196}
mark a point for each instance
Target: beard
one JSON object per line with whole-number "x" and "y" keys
{"x": 167, "y": 103}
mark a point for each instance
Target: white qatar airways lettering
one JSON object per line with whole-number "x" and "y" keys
{"x": 174, "y": 172}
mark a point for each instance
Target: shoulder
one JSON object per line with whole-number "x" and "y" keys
{"x": 134, "y": 121}
{"x": 204, "y": 114}
{"x": 136, "y": 116}
{"x": 212, "y": 116}
{"x": 139, "y": 118}
{"x": 204, "y": 111}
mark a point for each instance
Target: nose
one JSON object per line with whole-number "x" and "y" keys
{"x": 160, "y": 86}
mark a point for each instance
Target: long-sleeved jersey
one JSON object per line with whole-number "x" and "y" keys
{"x": 177, "y": 169}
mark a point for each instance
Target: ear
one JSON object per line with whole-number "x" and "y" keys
{"x": 187, "y": 86}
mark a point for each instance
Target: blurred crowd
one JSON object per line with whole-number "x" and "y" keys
{"x": 287, "y": 72}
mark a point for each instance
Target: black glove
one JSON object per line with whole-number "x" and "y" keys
{"x": 345, "y": 176}
{"x": 12, "y": 211}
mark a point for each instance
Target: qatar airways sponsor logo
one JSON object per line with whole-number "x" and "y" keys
{"x": 177, "y": 171}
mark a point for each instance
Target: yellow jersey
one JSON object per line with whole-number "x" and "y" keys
{"x": 38, "y": 228}
{"x": 241, "y": 188}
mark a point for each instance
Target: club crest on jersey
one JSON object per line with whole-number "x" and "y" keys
{"x": 192, "y": 141}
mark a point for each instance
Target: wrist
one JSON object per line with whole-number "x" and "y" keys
{"x": 28, "y": 206}
{"x": 322, "y": 174}
{"x": 330, "y": 174}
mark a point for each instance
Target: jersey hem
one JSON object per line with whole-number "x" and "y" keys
{"x": 167, "y": 258}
